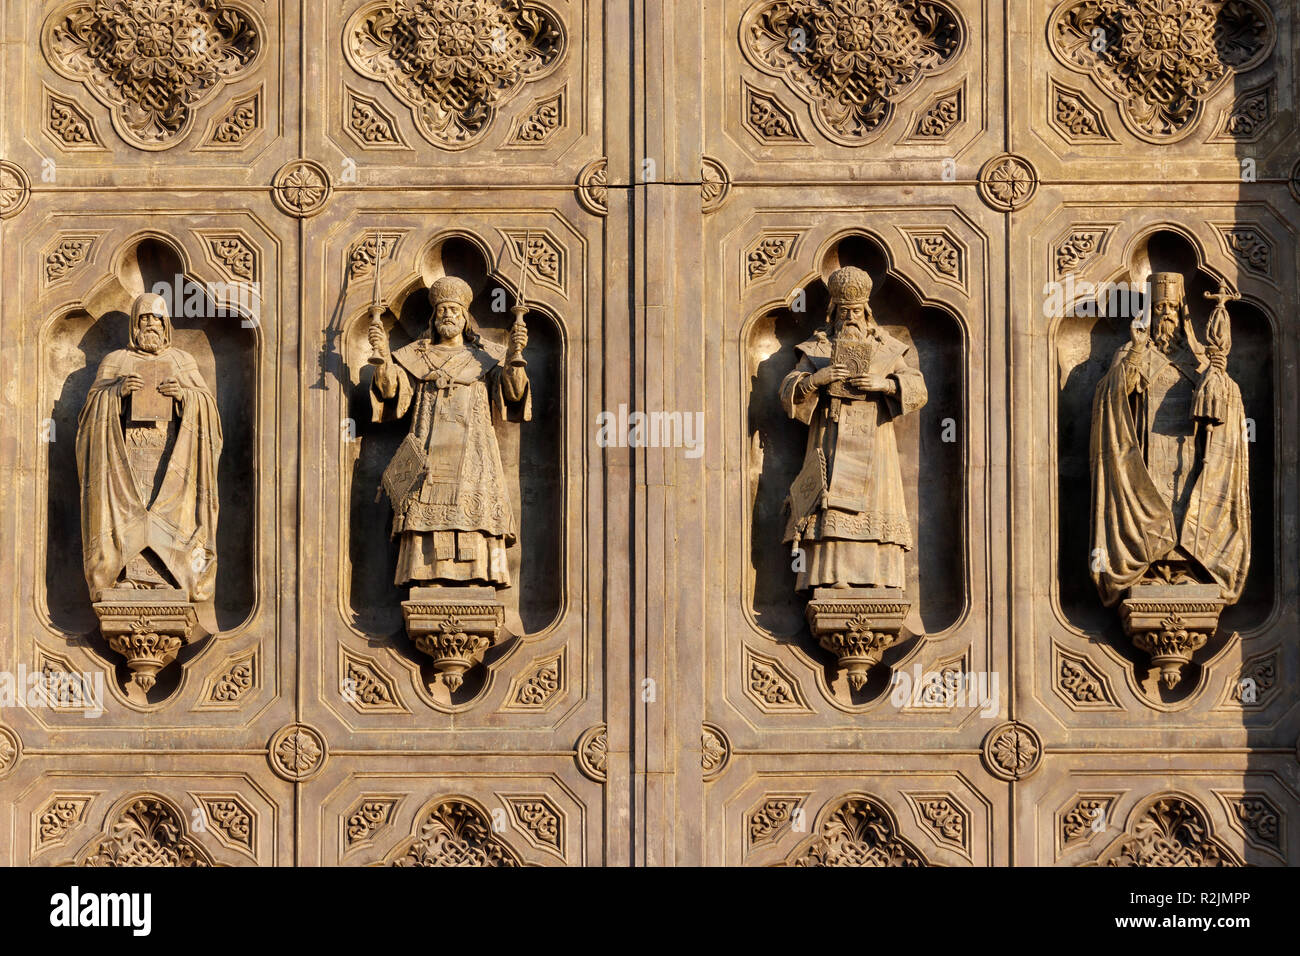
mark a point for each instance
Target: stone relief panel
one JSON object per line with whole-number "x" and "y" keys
{"x": 93, "y": 812}
{"x": 1167, "y": 629}
{"x": 194, "y": 83}
{"x": 1118, "y": 86}
{"x": 908, "y": 817}
{"x": 878, "y": 89}
{"x": 1114, "y": 812}
{"x": 435, "y": 618}
{"x": 151, "y": 421}
{"x": 836, "y": 624}
{"x": 420, "y": 814}
{"x": 460, "y": 89}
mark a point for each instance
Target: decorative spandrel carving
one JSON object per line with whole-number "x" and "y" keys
{"x": 1074, "y": 115}
{"x": 768, "y": 119}
{"x": 454, "y": 63}
{"x": 847, "y": 525}
{"x": 59, "y": 817}
{"x": 451, "y": 514}
{"x": 152, "y": 63}
{"x": 68, "y": 124}
{"x": 148, "y": 442}
{"x": 147, "y": 831}
{"x": 1170, "y": 479}
{"x": 236, "y": 124}
{"x": 858, "y": 831}
{"x": 454, "y": 832}
{"x": 1169, "y": 830}
{"x": 369, "y": 124}
{"x": 852, "y": 61}
{"x": 1161, "y": 60}
{"x": 542, "y": 120}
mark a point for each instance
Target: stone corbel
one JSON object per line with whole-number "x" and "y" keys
{"x": 453, "y": 626}
{"x": 1171, "y": 622}
{"x": 148, "y": 628}
{"x": 857, "y": 625}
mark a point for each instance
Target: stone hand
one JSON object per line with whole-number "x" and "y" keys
{"x": 518, "y": 338}
{"x": 128, "y": 384}
{"x": 170, "y": 387}
{"x": 378, "y": 340}
{"x": 829, "y": 374}
{"x": 872, "y": 383}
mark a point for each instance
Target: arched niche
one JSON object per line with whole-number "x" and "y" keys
{"x": 225, "y": 346}
{"x": 1094, "y": 328}
{"x": 532, "y": 452}
{"x": 931, "y": 442}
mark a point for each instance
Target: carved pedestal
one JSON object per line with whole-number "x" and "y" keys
{"x": 1171, "y": 622}
{"x": 148, "y": 628}
{"x": 857, "y": 625}
{"x": 454, "y": 626}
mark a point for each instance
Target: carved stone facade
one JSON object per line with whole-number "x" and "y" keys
{"x": 439, "y": 438}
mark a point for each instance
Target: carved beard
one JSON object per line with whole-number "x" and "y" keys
{"x": 855, "y": 328}
{"x": 447, "y": 329}
{"x": 150, "y": 341}
{"x": 1165, "y": 332}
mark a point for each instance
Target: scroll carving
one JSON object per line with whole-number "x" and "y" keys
{"x": 852, "y": 61}
{"x": 58, "y": 818}
{"x": 68, "y": 123}
{"x": 454, "y": 63}
{"x": 543, "y": 119}
{"x": 768, "y": 119}
{"x": 369, "y": 124}
{"x": 152, "y": 63}
{"x": 242, "y": 118}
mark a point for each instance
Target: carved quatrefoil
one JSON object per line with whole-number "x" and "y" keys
{"x": 852, "y": 60}
{"x": 454, "y": 62}
{"x": 153, "y": 63}
{"x": 1160, "y": 60}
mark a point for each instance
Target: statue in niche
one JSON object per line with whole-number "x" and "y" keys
{"x": 148, "y": 441}
{"x": 848, "y": 523}
{"x": 451, "y": 514}
{"x": 1170, "y": 483}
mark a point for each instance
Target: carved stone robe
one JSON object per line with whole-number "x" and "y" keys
{"x": 149, "y": 489}
{"x": 846, "y": 507}
{"x": 1169, "y": 471}
{"x": 446, "y": 484}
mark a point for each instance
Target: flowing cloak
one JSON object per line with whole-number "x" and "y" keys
{"x": 446, "y": 483}
{"x": 1133, "y": 525}
{"x": 180, "y": 525}
{"x": 846, "y": 506}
